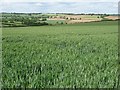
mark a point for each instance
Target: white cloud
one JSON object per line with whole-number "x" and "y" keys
{"x": 60, "y": 1}
{"x": 39, "y": 4}
{"x": 70, "y": 7}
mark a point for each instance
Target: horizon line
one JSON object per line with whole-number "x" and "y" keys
{"x": 57, "y": 13}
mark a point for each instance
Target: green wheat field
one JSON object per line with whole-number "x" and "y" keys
{"x": 81, "y": 55}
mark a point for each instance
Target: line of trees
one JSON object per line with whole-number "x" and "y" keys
{"x": 23, "y": 21}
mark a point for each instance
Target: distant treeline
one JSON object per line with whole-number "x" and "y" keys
{"x": 65, "y": 13}
{"x": 18, "y": 20}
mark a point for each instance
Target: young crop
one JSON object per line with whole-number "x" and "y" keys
{"x": 67, "y": 56}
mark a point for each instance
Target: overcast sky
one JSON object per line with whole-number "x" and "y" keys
{"x": 78, "y": 6}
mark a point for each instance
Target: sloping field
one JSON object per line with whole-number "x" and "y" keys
{"x": 77, "y": 18}
{"x": 65, "y": 56}
{"x": 83, "y": 16}
{"x": 112, "y": 17}
{"x": 83, "y": 20}
{"x": 56, "y": 21}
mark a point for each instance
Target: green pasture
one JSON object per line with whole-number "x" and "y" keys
{"x": 81, "y": 55}
{"x": 55, "y": 21}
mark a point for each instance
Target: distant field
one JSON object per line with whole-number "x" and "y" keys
{"x": 56, "y": 21}
{"x": 112, "y": 17}
{"x": 71, "y": 19}
{"x": 66, "y": 56}
{"x": 39, "y": 19}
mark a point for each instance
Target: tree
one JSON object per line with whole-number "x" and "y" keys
{"x": 61, "y": 22}
{"x": 57, "y": 22}
{"x": 70, "y": 18}
{"x": 44, "y": 19}
{"x": 67, "y": 18}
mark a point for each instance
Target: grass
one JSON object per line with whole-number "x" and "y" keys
{"x": 55, "y": 21}
{"x": 78, "y": 55}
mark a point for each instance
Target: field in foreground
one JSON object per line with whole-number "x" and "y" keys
{"x": 79, "y": 55}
